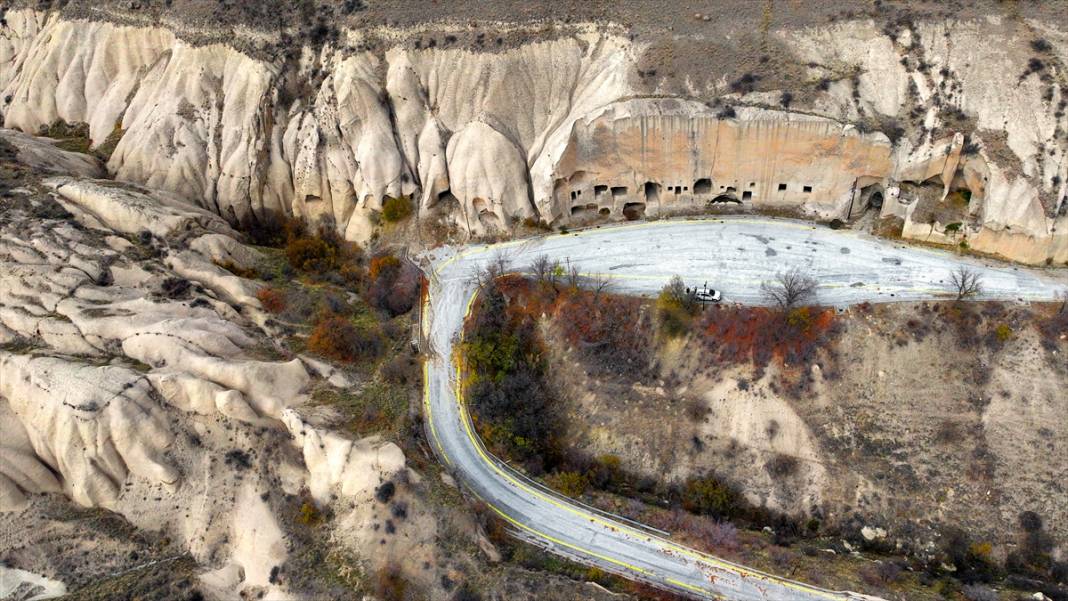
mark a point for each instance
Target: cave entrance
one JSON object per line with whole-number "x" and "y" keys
{"x": 446, "y": 196}
{"x": 726, "y": 197}
{"x": 599, "y": 192}
{"x": 702, "y": 186}
{"x": 652, "y": 192}
{"x": 871, "y": 196}
{"x": 586, "y": 211}
{"x": 634, "y": 211}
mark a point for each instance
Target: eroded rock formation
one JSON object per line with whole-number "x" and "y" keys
{"x": 506, "y": 137}
{"x": 138, "y": 376}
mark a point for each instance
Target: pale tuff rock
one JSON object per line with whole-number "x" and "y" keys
{"x": 92, "y": 425}
{"x": 170, "y": 399}
{"x": 654, "y": 157}
{"x": 128, "y": 210}
{"x": 21, "y": 470}
{"x": 490, "y": 180}
{"x": 22, "y": 584}
{"x": 196, "y": 395}
{"x": 336, "y": 463}
{"x": 228, "y": 286}
{"x": 939, "y": 160}
{"x": 222, "y": 249}
{"x": 749, "y": 425}
{"x": 493, "y": 130}
{"x": 41, "y": 155}
{"x": 258, "y": 544}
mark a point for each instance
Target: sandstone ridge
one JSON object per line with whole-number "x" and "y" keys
{"x": 563, "y": 131}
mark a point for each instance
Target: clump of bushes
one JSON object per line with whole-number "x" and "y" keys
{"x": 394, "y": 284}
{"x": 396, "y": 209}
{"x": 389, "y": 584}
{"x": 707, "y": 495}
{"x": 272, "y": 299}
{"x": 309, "y": 514}
{"x": 73, "y": 137}
{"x": 572, "y": 484}
{"x": 1041, "y": 45}
{"x": 507, "y": 385}
{"x": 311, "y": 255}
{"x": 745, "y": 84}
{"x": 338, "y": 338}
{"x": 237, "y": 270}
{"x": 323, "y": 255}
{"x": 676, "y": 307}
{"x": 782, "y": 466}
{"x": 611, "y": 331}
{"x": 272, "y": 229}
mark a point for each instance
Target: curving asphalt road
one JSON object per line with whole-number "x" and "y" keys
{"x": 733, "y": 255}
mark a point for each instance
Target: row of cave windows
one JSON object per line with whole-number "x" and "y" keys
{"x": 701, "y": 186}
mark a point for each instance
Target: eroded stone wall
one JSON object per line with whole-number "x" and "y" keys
{"x": 507, "y": 136}
{"x": 655, "y": 157}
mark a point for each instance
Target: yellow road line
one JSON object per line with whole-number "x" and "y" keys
{"x": 693, "y": 554}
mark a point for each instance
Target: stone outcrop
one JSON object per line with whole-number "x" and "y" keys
{"x": 655, "y": 157}
{"x": 505, "y": 137}
{"x": 134, "y": 377}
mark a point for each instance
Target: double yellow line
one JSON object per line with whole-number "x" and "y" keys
{"x": 612, "y": 526}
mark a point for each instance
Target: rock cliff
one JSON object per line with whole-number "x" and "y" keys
{"x": 877, "y": 117}
{"x": 139, "y": 376}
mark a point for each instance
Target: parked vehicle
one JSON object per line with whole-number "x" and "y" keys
{"x": 707, "y": 295}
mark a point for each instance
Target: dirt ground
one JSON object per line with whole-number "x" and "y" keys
{"x": 913, "y": 421}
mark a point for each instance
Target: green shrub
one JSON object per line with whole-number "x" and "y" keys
{"x": 1003, "y": 332}
{"x": 676, "y": 305}
{"x": 707, "y": 495}
{"x": 73, "y": 137}
{"x": 572, "y": 484}
{"x": 309, "y": 514}
{"x": 954, "y": 227}
{"x": 396, "y": 209}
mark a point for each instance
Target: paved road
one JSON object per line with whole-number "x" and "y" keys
{"x": 734, "y": 255}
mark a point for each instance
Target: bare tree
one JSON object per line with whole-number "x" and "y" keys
{"x": 571, "y": 275}
{"x": 966, "y": 282}
{"x": 547, "y": 272}
{"x": 1063, "y": 297}
{"x": 497, "y": 267}
{"x": 789, "y": 289}
{"x": 600, "y": 284}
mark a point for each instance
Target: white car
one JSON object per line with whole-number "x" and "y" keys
{"x": 708, "y": 295}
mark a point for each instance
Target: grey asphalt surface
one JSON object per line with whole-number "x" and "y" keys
{"x": 734, "y": 255}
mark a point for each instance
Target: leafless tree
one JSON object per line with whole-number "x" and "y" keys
{"x": 966, "y": 282}
{"x": 790, "y": 289}
{"x": 1063, "y": 297}
{"x": 600, "y": 285}
{"x": 497, "y": 267}
{"x": 547, "y": 272}
{"x": 572, "y": 276}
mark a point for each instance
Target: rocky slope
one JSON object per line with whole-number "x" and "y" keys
{"x": 554, "y": 129}
{"x": 139, "y": 377}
